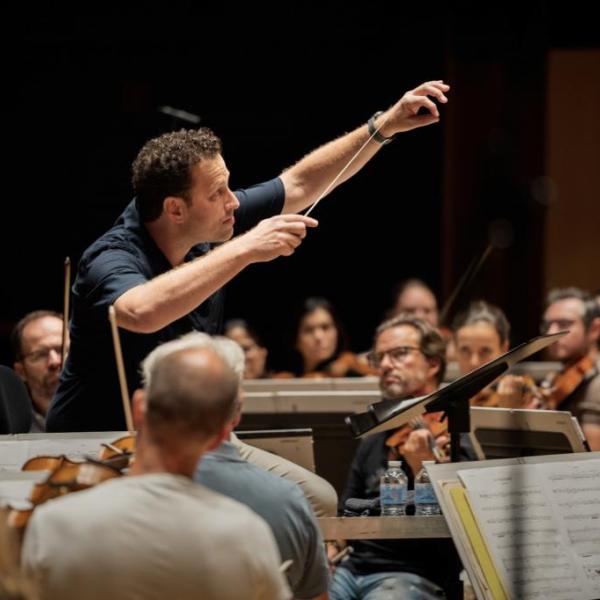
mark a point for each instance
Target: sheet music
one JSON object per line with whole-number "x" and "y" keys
{"x": 518, "y": 520}
{"x": 573, "y": 490}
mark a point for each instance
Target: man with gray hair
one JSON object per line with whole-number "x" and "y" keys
{"x": 318, "y": 491}
{"x": 279, "y": 502}
{"x": 156, "y": 533}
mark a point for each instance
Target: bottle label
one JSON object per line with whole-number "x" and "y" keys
{"x": 393, "y": 494}
{"x": 424, "y": 494}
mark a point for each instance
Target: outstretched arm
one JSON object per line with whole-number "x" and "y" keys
{"x": 308, "y": 178}
{"x": 157, "y": 303}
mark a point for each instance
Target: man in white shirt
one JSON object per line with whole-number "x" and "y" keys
{"x": 156, "y": 533}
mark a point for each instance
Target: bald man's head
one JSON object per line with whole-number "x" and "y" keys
{"x": 191, "y": 390}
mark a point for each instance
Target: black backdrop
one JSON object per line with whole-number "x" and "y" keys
{"x": 84, "y": 92}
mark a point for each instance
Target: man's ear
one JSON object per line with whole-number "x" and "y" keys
{"x": 434, "y": 368}
{"x": 237, "y": 416}
{"x": 593, "y": 331}
{"x": 139, "y": 408}
{"x": 175, "y": 209}
{"x": 220, "y": 436}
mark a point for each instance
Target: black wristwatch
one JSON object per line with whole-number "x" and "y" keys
{"x": 376, "y": 134}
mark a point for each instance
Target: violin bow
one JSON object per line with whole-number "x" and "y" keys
{"x": 120, "y": 368}
{"x": 465, "y": 280}
{"x": 66, "y": 299}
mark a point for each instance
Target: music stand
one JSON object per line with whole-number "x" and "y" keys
{"x": 452, "y": 399}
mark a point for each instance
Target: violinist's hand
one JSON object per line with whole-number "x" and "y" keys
{"x": 443, "y": 443}
{"x": 516, "y": 391}
{"x": 276, "y": 236}
{"x": 417, "y": 448}
{"x": 403, "y": 115}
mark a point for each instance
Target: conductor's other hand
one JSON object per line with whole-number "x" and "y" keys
{"x": 404, "y": 116}
{"x": 276, "y": 236}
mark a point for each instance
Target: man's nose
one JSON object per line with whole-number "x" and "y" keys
{"x": 54, "y": 357}
{"x": 232, "y": 203}
{"x": 386, "y": 363}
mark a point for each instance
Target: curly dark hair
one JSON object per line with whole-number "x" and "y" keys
{"x": 163, "y": 167}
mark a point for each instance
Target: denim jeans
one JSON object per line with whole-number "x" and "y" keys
{"x": 382, "y": 586}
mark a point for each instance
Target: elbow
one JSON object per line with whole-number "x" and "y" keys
{"x": 137, "y": 320}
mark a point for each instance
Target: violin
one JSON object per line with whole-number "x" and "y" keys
{"x": 557, "y": 387}
{"x": 122, "y": 447}
{"x": 512, "y": 391}
{"x": 347, "y": 364}
{"x": 68, "y": 476}
{"x": 429, "y": 421}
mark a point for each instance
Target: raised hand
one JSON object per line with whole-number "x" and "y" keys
{"x": 403, "y": 116}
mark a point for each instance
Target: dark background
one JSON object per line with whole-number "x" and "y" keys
{"x": 84, "y": 92}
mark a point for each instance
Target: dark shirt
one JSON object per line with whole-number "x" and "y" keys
{"x": 435, "y": 560}
{"x": 584, "y": 402}
{"x": 15, "y": 404}
{"x": 88, "y": 397}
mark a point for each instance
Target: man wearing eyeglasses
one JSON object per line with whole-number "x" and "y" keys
{"x": 577, "y": 387}
{"x": 37, "y": 347}
{"x": 410, "y": 357}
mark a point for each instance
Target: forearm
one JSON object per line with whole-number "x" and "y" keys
{"x": 310, "y": 177}
{"x": 172, "y": 295}
{"x": 318, "y": 172}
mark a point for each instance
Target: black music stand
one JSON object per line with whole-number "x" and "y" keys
{"x": 452, "y": 399}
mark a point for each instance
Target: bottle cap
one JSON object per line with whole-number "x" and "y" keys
{"x": 394, "y": 463}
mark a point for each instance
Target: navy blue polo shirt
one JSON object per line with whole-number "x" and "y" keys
{"x": 88, "y": 397}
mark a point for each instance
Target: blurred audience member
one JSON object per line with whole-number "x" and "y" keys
{"x": 481, "y": 334}
{"x": 255, "y": 353}
{"x": 577, "y": 387}
{"x": 321, "y": 346}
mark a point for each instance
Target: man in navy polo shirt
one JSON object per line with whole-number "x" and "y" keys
{"x": 155, "y": 267}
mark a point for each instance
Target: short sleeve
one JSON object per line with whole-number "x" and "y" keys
{"x": 315, "y": 574}
{"x": 108, "y": 276}
{"x": 258, "y": 202}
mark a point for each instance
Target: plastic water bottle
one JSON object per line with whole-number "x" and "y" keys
{"x": 392, "y": 490}
{"x": 426, "y": 503}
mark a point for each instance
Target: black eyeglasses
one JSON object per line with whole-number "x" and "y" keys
{"x": 562, "y": 324}
{"x": 397, "y": 354}
{"x": 42, "y": 354}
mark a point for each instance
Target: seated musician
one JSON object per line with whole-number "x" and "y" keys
{"x": 279, "y": 502}
{"x": 255, "y": 352}
{"x": 481, "y": 334}
{"x": 37, "y": 347}
{"x": 410, "y": 357}
{"x": 320, "y": 344}
{"x": 577, "y": 387}
{"x": 414, "y": 297}
{"x": 318, "y": 491}
{"x": 157, "y": 533}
